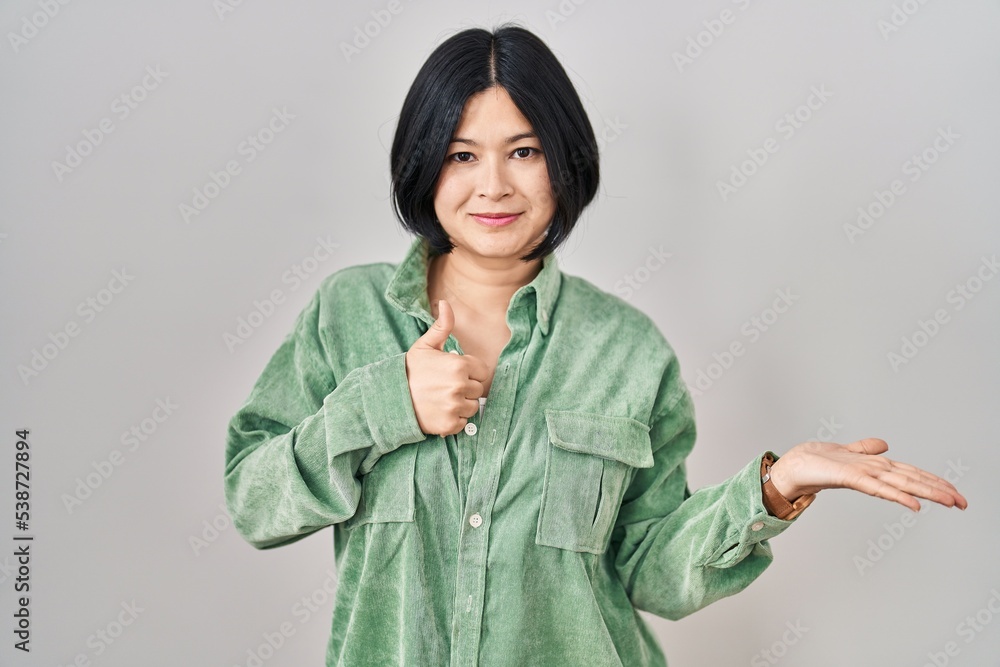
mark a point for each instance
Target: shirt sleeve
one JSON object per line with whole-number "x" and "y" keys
{"x": 295, "y": 448}
{"x": 677, "y": 552}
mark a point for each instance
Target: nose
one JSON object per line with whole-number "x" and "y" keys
{"x": 495, "y": 180}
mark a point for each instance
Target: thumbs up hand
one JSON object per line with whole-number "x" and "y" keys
{"x": 445, "y": 388}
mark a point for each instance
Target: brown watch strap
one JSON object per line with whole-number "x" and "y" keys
{"x": 776, "y": 503}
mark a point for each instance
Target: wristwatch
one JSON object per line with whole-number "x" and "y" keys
{"x": 776, "y": 503}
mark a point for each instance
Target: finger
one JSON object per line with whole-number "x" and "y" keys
{"x": 881, "y": 489}
{"x": 470, "y": 408}
{"x": 438, "y": 333}
{"x": 933, "y": 480}
{"x": 462, "y": 421}
{"x": 868, "y": 446}
{"x": 928, "y": 477}
{"x": 473, "y": 389}
{"x": 916, "y": 487}
{"x": 476, "y": 368}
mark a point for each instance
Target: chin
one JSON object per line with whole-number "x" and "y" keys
{"x": 497, "y": 248}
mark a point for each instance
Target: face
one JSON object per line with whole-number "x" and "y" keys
{"x": 485, "y": 173}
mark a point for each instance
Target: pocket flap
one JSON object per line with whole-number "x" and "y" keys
{"x": 620, "y": 438}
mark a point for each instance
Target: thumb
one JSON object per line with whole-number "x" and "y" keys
{"x": 438, "y": 333}
{"x": 869, "y": 446}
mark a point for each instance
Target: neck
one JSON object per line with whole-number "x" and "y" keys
{"x": 484, "y": 288}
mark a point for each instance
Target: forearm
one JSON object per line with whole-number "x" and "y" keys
{"x": 711, "y": 546}
{"x": 283, "y": 483}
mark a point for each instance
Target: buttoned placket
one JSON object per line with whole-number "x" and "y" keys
{"x": 481, "y": 447}
{"x": 479, "y": 455}
{"x": 463, "y": 444}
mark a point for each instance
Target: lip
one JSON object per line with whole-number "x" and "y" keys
{"x": 496, "y": 219}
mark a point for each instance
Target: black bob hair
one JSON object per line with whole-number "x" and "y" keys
{"x": 470, "y": 62}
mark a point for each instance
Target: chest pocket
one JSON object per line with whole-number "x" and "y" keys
{"x": 387, "y": 491}
{"x": 589, "y": 462}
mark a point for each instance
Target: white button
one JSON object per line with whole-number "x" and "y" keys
{"x": 453, "y": 351}
{"x": 475, "y": 520}
{"x": 470, "y": 428}
{"x": 757, "y": 526}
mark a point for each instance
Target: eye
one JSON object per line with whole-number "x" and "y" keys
{"x": 527, "y": 148}
{"x": 454, "y": 155}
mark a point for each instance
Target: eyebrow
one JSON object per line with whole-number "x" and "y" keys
{"x": 510, "y": 140}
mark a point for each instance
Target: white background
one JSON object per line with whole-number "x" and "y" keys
{"x": 681, "y": 129}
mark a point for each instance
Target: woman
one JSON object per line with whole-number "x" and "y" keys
{"x": 500, "y": 447}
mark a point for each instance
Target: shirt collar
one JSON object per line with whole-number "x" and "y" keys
{"x": 407, "y": 289}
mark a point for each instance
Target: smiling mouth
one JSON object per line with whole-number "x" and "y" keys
{"x": 496, "y": 219}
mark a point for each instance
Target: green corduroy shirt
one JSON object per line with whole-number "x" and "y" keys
{"x": 533, "y": 536}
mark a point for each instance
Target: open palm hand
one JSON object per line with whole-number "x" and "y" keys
{"x": 812, "y": 466}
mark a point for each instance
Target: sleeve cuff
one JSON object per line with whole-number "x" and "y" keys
{"x": 751, "y": 522}
{"x": 388, "y": 406}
